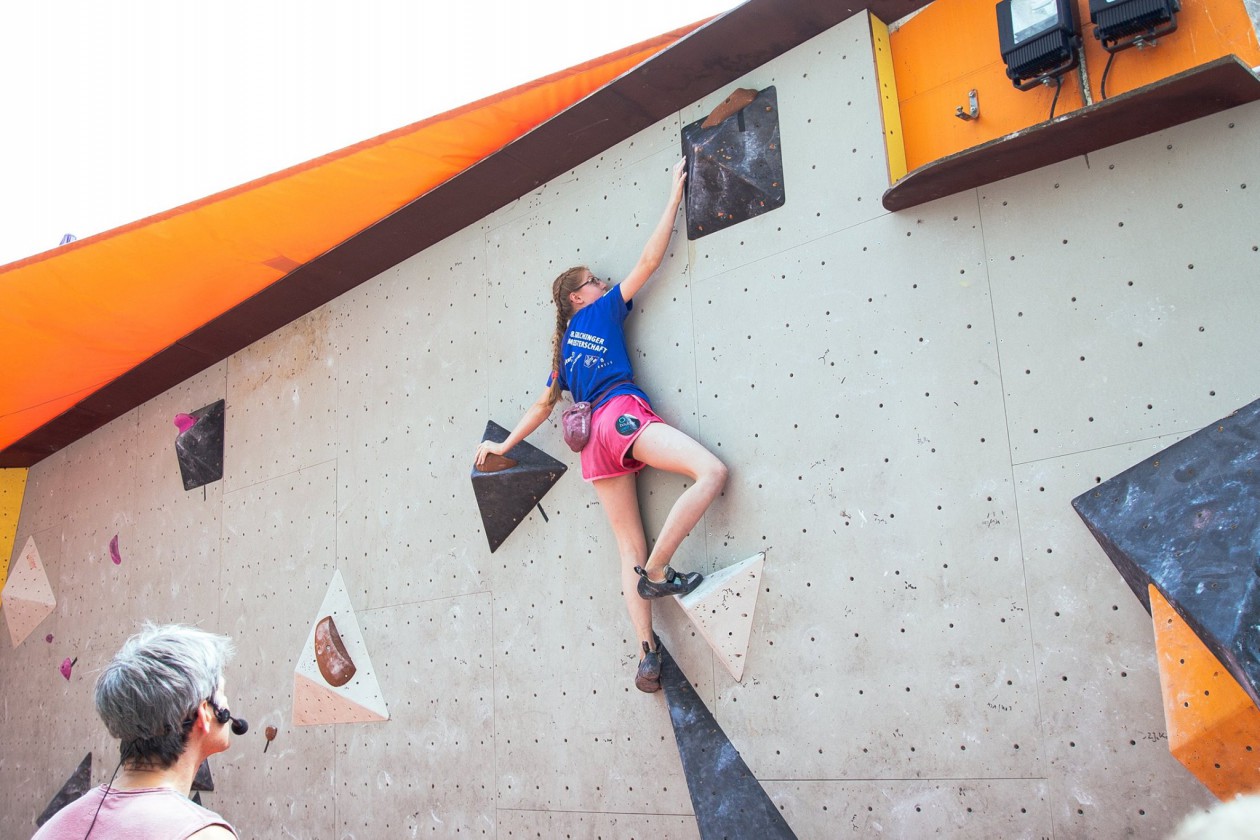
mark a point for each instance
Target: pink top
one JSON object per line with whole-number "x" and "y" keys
{"x": 143, "y": 814}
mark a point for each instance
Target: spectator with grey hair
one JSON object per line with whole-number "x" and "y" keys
{"x": 162, "y": 697}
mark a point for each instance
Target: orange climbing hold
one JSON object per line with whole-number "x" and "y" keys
{"x": 1213, "y": 725}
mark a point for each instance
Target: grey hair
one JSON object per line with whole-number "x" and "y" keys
{"x": 154, "y": 684}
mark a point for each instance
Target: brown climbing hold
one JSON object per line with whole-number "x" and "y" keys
{"x": 496, "y": 463}
{"x": 334, "y": 663}
{"x": 270, "y": 734}
{"x": 733, "y": 104}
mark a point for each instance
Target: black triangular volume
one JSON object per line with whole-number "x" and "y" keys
{"x": 735, "y": 168}
{"x": 728, "y": 800}
{"x": 77, "y": 785}
{"x": 203, "y": 780}
{"x": 1185, "y": 520}
{"x": 506, "y": 497}
{"x": 200, "y": 448}
{"x": 196, "y": 797}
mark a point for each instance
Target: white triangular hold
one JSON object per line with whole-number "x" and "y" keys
{"x": 315, "y": 702}
{"x": 28, "y": 597}
{"x": 722, "y": 608}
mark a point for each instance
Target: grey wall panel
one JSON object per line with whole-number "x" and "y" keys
{"x": 578, "y": 826}
{"x": 164, "y": 575}
{"x": 1128, "y": 280}
{"x": 1105, "y": 737}
{"x": 662, "y": 137}
{"x": 411, "y": 371}
{"x": 42, "y": 500}
{"x": 430, "y": 770}
{"x": 894, "y": 586}
{"x": 564, "y": 666}
{"x": 279, "y": 553}
{"x": 1006, "y": 808}
{"x": 282, "y": 402}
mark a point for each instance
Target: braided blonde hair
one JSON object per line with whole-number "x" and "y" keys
{"x": 568, "y": 282}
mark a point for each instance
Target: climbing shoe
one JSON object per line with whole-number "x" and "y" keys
{"x": 673, "y": 584}
{"x": 648, "y": 678}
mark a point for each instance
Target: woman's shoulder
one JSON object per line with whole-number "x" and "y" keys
{"x": 613, "y": 302}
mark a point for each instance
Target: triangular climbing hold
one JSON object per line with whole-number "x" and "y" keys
{"x": 506, "y": 497}
{"x": 359, "y": 700}
{"x": 727, "y": 798}
{"x": 722, "y": 608}
{"x": 77, "y": 785}
{"x": 199, "y": 447}
{"x": 1184, "y": 519}
{"x": 28, "y": 597}
{"x": 203, "y": 780}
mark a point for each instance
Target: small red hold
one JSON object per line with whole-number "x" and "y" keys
{"x": 113, "y": 551}
{"x": 48, "y": 638}
{"x": 66, "y": 665}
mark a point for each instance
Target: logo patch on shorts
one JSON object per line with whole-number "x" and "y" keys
{"x": 627, "y": 424}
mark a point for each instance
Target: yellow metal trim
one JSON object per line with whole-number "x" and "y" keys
{"x": 12, "y": 487}
{"x": 894, "y": 142}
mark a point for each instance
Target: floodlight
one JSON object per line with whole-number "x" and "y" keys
{"x": 1038, "y": 39}
{"x": 1122, "y": 24}
{"x": 1119, "y": 24}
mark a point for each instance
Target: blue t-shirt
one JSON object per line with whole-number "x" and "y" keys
{"x": 593, "y": 351}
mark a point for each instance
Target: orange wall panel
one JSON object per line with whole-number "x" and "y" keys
{"x": 951, "y": 47}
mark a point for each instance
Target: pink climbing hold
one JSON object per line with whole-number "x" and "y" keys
{"x": 113, "y": 551}
{"x": 184, "y": 422}
{"x": 66, "y": 665}
{"x": 48, "y": 638}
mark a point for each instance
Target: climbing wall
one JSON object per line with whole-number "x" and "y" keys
{"x": 907, "y": 402}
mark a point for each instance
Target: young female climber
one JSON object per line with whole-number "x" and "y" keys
{"x": 590, "y": 361}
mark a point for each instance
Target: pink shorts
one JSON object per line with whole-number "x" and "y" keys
{"x": 615, "y": 426}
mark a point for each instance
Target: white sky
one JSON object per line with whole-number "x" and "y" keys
{"x": 116, "y": 111}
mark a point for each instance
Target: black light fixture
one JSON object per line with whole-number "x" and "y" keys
{"x": 1120, "y": 24}
{"x": 1039, "y": 40}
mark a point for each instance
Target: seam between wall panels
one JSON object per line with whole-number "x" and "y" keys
{"x": 1180, "y": 433}
{"x": 494, "y": 636}
{"x": 1019, "y": 522}
{"x": 695, "y": 379}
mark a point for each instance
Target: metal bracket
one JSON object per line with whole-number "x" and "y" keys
{"x": 973, "y": 111}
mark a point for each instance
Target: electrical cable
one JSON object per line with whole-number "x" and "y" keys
{"x": 104, "y": 794}
{"x": 1058, "y": 88}
{"x": 1102, "y": 88}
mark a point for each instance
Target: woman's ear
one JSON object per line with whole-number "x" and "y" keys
{"x": 205, "y": 717}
